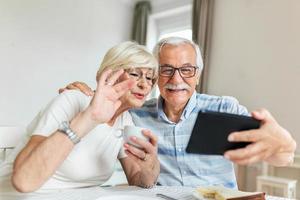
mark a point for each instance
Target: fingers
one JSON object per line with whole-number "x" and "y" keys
{"x": 61, "y": 90}
{"x": 135, "y": 151}
{"x": 122, "y": 87}
{"x": 250, "y": 150}
{"x": 145, "y": 145}
{"x": 103, "y": 77}
{"x": 110, "y": 76}
{"x": 83, "y": 88}
{"x": 113, "y": 77}
{"x": 257, "y": 115}
{"x": 71, "y": 86}
{"x": 246, "y": 136}
{"x": 132, "y": 156}
{"x": 263, "y": 115}
{"x": 248, "y": 160}
{"x": 152, "y": 138}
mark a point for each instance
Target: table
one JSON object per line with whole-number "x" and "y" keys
{"x": 111, "y": 193}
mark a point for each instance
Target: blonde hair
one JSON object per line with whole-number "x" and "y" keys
{"x": 128, "y": 55}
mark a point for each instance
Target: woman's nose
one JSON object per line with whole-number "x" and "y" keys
{"x": 142, "y": 82}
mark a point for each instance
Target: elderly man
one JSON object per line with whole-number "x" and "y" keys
{"x": 173, "y": 115}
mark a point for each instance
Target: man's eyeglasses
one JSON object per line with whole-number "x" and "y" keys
{"x": 185, "y": 71}
{"x": 137, "y": 74}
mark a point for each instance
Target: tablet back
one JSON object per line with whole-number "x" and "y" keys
{"x": 210, "y": 132}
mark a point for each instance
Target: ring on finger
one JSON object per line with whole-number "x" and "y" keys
{"x": 145, "y": 158}
{"x": 108, "y": 83}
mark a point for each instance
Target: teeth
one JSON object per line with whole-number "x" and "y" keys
{"x": 175, "y": 89}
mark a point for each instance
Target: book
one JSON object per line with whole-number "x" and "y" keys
{"x": 222, "y": 193}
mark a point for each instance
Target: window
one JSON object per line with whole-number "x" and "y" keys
{"x": 186, "y": 33}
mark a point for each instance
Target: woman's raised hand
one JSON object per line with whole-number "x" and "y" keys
{"x": 106, "y": 99}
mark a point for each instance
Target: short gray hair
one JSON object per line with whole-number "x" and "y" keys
{"x": 178, "y": 41}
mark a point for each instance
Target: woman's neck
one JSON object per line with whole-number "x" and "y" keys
{"x": 119, "y": 111}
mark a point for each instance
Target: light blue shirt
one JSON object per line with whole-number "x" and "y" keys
{"x": 177, "y": 166}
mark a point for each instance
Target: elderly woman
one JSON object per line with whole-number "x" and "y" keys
{"x": 75, "y": 141}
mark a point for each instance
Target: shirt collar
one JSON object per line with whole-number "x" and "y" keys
{"x": 160, "y": 109}
{"x": 189, "y": 106}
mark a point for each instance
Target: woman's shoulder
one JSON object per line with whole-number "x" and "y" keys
{"x": 73, "y": 99}
{"x": 75, "y": 95}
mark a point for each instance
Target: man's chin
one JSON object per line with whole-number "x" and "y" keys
{"x": 177, "y": 97}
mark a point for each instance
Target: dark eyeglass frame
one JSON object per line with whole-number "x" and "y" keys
{"x": 174, "y": 69}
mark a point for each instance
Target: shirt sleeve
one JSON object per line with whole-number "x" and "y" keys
{"x": 122, "y": 153}
{"x": 64, "y": 107}
{"x": 231, "y": 105}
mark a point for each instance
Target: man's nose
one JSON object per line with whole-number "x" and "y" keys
{"x": 176, "y": 76}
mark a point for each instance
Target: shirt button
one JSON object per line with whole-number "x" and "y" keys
{"x": 179, "y": 149}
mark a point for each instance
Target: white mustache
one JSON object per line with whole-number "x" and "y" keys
{"x": 181, "y": 86}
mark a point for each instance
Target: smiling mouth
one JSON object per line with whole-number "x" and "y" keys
{"x": 176, "y": 90}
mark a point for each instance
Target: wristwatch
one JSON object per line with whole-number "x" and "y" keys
{"x": 65, "y": 129}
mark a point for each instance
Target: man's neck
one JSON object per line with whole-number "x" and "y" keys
{"x": 173, "y": 112}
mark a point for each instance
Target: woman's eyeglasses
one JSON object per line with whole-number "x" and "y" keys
{"x": 137, "y": 74}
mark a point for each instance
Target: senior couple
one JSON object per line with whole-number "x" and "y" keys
{"x": 75, "y": 140}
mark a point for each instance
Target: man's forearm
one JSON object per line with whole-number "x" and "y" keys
{"x": 145, "y": 177}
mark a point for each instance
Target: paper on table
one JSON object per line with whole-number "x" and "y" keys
{"x": 109, "y": 193}
{"x": 181, "y": 193}
{"x": 125, "y": 197}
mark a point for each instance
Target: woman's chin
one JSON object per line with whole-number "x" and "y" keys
{"x": 137, "y": 103}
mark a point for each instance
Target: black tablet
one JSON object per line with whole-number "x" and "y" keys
{"x": 211, "y": 129}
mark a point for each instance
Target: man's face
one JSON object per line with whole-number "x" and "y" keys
{"x": 177, "y": 56}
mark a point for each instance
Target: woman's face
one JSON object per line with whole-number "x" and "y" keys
{"x": 137, "y": 95}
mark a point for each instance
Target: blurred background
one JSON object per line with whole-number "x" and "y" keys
{"x": 251, "y": 50}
